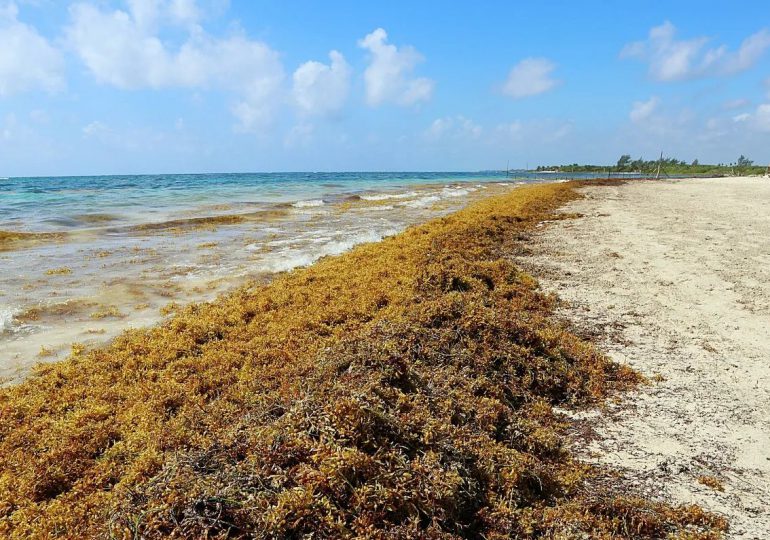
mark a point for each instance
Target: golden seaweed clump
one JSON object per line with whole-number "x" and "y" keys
{"x": 401, "y": 390}
{"x": 63, "y": 271}
{"x": 711, "y": 481}
{"x": 16, "y": 240}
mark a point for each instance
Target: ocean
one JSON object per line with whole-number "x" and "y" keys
{"x": 118, "y": 252}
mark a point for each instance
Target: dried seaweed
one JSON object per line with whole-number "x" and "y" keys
{"x": 401, "y": 390}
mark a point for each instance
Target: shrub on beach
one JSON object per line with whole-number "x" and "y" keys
{"x": 401, "y": 390}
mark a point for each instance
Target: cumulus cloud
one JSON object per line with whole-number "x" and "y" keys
{"x": 185, "y": 11}
{"x": 321, "y": 89}
{"x": 642, "y": 110}
{"x": 756, "y": 120}
{"x": 124, "y": 49}
{"x": 530, "y": 77}
{"x": 387, "y": 78}
{"x": 149, "y": 14}
{"x": 672, "y": 59}
{"x": 652, "y": 119}
{"x": 27, "y": 60}
{"x": 457, "y": 127}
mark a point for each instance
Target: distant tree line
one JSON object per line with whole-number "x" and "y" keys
{"x": 668, "y": 165}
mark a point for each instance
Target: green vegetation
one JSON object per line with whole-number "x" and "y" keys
{"x": 668, "y": 167}
{"x": 401, "y": 390}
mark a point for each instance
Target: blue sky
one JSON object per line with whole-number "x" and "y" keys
{"x": 154, "y": 86}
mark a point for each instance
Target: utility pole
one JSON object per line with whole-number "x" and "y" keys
{"x": 660, "y": 161}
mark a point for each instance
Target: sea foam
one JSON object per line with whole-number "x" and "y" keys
{"x": 7, "y": 315}
{"x": 455, "y": 192}
{"x": 386, "y": 196}
{"x": 422, "y": 201}
{"x": 308, "y": 204}
{"x": 294, "y": 257}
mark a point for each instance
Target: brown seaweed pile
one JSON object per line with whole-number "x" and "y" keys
{"x": 401, "y": 390}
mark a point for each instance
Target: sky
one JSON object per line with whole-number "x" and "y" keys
{"x": 184, "y": 86}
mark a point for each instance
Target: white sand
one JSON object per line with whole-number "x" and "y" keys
{"x": 675, "y": 276}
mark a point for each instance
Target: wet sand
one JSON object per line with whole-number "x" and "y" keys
{"x": 673, "y": 278}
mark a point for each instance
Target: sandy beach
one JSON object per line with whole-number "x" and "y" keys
{"x": 673, "y": 278}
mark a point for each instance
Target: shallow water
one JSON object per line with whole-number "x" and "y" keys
{"x": 133, "y": 246}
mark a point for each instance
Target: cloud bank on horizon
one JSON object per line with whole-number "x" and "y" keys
{"x": 195, "y": 85}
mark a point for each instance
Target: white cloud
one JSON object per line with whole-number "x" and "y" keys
{"x": 149, "y": 14}
{"x": 387, "y": 76}
{"x": 762, "y": 118}
{"x": 671, "y": 59}
{"x": 438, "y": 128}
{"x": 469, "y": 127}
{"x": 145, "y": 13}
{"x": 27, "y": 60}
{"x": 321, "y": 89}
{"x": 642, "y": 110}
{"x": 458, "y": 127}
{"x": 654, "y": 120}
{"x": 123, "y": 49}
{"x": 95, "y": 129}
{"x": 530, "y": 77}
{"x": 756, "y": 120}
{"x": 185, "y": 11}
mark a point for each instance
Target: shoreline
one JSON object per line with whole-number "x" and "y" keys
{"x": 671, "y": 277}
{"x": 84, "y": 287}
{"x": 411, "y": 377}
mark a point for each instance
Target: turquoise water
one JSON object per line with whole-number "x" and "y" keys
{"x": 65, "y": 203}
